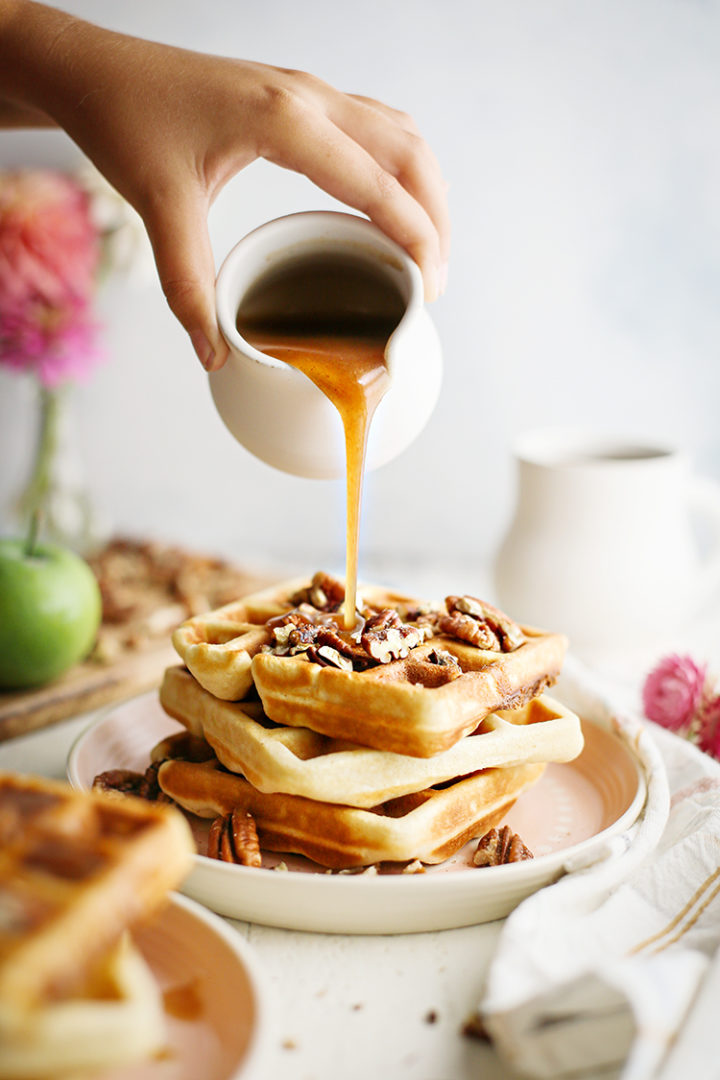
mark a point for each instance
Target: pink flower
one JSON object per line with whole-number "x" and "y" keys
{"x": 673, "y": 691}
{"x": 49, "y": 251}
{"x": 709, "y": 733}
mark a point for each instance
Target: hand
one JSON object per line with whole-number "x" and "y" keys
{"x": 169, "y": 127}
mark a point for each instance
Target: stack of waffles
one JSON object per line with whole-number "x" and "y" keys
{"x": 77, "y": 870}
{"x": 396, "y": 741}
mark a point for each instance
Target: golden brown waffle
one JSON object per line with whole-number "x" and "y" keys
{"x": 298, "y": 761}
{"x": 399, "y": 706}
{"x": 218, "y": 646}
{"x": 76, "y": 869}
{"x": 412, "y": 705}
{"x": 429, "y": 825}
{"x": 117, "y": 1020}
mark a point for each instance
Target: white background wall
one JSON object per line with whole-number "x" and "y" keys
{"x": 581, "y": 141}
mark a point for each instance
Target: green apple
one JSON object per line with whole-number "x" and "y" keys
{"x": 49, "y": 612}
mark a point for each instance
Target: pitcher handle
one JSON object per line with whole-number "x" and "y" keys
{"x": 705, "y": 501}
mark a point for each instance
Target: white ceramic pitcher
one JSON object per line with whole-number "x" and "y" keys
{"x": 602, "y": 543}
{"x": 275, "y": 411}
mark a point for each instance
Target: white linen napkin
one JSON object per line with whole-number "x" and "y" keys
{"x": 615, "y": 969}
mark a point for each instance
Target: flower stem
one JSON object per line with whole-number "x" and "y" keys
{"x": 35, "y": 494}
{"x": 31, "y": 541}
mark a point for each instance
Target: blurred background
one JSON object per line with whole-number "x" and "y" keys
{"x": 581, "y": 145}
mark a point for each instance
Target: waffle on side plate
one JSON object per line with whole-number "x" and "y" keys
{"x": 298, "y": 761}
{"x": 76, "y": 870}
{"x": 429, "y": 825}
{"x": 419, "y": 702}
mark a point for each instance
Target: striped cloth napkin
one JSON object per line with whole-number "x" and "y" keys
{"x": 614, "y": 971}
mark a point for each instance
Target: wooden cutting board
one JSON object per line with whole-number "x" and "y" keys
{"x": 147, "y": 588}
{"x": 85, "y": 687}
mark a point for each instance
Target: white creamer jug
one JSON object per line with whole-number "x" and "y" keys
{"x": 602, "y": 544}
{"x": 274, "y": 410}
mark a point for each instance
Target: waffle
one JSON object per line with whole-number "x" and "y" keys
{"x": 76, "y": 869}
{"x": 119, "y": 1020}
{"x": 298, "y": 761}
{"x": 429, "y": 825}
{"x": 218, "y": 646}
{"x": 410, "y": 705}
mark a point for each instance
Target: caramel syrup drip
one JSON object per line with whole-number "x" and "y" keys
{"x": 352, "y": 373}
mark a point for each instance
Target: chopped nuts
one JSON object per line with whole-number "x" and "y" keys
{"x": 324, "y": 592}
{"x": 474, "y": 1028}
{"x": 326, "y": 656}
{"x": 500, "y": 846}
{"x": 386, "y": 638}
{"x": 479, "y": 624}
{"x": 143, "y": 785}
{"x": 446, "y": 660}
{"x": 234, "y": 839}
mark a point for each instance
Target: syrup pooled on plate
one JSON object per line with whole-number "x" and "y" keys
{"x": 331, "y": 319}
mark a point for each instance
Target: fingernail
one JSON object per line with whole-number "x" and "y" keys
{"x": 203, "y": 348}
{"x": 442, "y": 278}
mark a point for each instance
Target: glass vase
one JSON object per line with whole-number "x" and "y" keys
{"x": 56, "y": 490}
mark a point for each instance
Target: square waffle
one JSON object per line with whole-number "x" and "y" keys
{"x": 429, "y": 825}
{"x": 298, "y": 761}
{"x": 76, "y": 869}
{"x": 117, "y": 1020}
{"x": 416, "y": 704}
{"x": 218, "y": 646}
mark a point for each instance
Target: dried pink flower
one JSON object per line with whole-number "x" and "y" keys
{"x": 709, "y": 727}
{"x": 673, "y": 691}
{"x": 49, "y": 251}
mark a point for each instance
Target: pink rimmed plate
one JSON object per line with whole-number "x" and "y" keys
{"x": 214, "y": 1008}
{"x": 568, "y": 820}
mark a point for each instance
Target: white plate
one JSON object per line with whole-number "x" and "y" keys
{"x": 213, "y": 1005}
{"x": 568, "y": 817}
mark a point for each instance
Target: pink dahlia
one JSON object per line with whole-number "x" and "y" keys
{"x": 673, "y": 691}
{"x": 49, "y": 251}
{"x": 709, "y": 732}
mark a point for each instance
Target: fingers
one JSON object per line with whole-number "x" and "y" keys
{"x": 301, "y": 137}
{"x": 394, "y": 141}
{"x": 177, "y": 227}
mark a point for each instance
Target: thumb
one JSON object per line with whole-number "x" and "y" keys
{"x": 178, "y": 232}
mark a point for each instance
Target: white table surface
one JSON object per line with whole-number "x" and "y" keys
{"x": 345, "y": 1007}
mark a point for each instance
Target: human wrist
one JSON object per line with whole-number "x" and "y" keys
{"x": 39, "y": 58}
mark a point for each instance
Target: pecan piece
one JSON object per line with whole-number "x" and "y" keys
{"x": 122, "y": 782}
{"x": 459, "y": 625}
{"x": 445, "y": 659}
{"x": 507, "y": 632}
{"x": 183, "y": 746}
{"x": 328, "y": 656}
{"x": 500, "y": 846}
{"x": 324, "y": 593}
{"x": 127, "y": 782}
{"x": 480, "y": 624}
{"x": 292, "y": 633}
{"x": 385, "y": 637}
{"x": 233, "y": 838}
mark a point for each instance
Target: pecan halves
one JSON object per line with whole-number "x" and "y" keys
{"x": 233, "y": 838}
{"x": 464, "y": 627}
{"x": 292, "y": 633}
{"x": 385, "y": 637}
{"x": 500, "y": 846}
{"x": 324, "y": 593}
{"x": 143, "y": 785}
{"x": 480, "y": 624}
{"x": 447, "y": 661}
